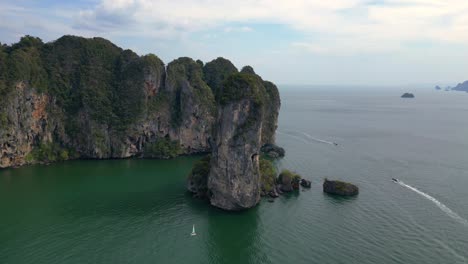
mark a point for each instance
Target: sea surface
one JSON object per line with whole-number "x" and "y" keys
{"x": 137, "y": 211}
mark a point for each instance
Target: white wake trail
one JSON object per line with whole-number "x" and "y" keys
{"x": 317, "y": 139}
{"x": 442, "y": 206}
{"x": 292, "y": 136}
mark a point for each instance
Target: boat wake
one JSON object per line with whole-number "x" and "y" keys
{"x": 317, "y": 139}
{"x": 302, "y": 136}
{"x": 442, "y": 206}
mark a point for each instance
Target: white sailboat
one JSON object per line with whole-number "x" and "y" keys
{"x": 193, "y": 231}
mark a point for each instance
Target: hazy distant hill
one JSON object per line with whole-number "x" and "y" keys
{"x": 461, "y": 87}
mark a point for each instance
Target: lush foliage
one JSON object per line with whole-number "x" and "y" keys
{"x": 163, "y": 148}
{"x": 267, "y": 174}
{"x": 248, "y": 69}
{"x": 181, "y": 73}
{"x": 3, "y": 70}
{"x": 89, "y": 75}
{"x": 3, "y": 120}
{"x": 287, "y": 176}
{"x": 217, "y": 71}
{"x": 198, "y": 177}
{"x": 271, "y": 112}
{"x": 48, "y": 152}
{"x": 241, "y": 86}
{"x": 340, "y": 186}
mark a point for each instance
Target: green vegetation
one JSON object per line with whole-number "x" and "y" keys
{"x": 273, "y": 103}
{"x": 267, "y": 174}
{"x": 48, "y": 152}
{"x": 248, "y": 70}
{"x": 181, "y": 73}
{"x": 24, "y": 64}
{"x": 158, "y": 102}
{"x": 340, "y": 186}
{"x": 217, "y": 71}
{"x": 198, "y": 177}
{"x": 83, "y": 75}
{"x": 163, "y": 148}
{"x": 202, "y": 167}
{"x": 100, "y": 140}
{"x": 3, "y": 120}
{"x": 3, "y": 70}
{"x": 287, "y": 176}
{"x": 240, "y": 86}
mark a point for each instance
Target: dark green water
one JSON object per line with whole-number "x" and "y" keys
{"x": 137, "y": 211}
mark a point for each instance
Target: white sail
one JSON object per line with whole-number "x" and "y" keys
{"x": 193, "y": 231}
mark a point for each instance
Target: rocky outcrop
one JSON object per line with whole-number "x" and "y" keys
{"x": 288, "y": 181}
{"x": 216, "y": 72}
{"x": 197, "y": 182}
{"x": 234, "y": 179}
{"x": 340, "y": 188}
{"x": 407, "y": 95}
{"x": 270, "y": 123}
{"x": 305, "y": 183}
{"x": 26, "y": 122}
{"x": 273, "y": 151}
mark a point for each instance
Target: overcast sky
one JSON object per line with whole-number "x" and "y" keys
{"x": 342, "y": 42}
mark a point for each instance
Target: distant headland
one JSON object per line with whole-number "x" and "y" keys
{"x": 463, "y": 87}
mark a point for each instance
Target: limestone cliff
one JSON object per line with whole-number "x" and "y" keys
{"x": 234, "y": 179}
{"x": 87, "y": 98}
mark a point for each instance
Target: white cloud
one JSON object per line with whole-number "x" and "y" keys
{"x": 238, "y": 29}
{"x": 342, "y": 25}
{"x": 332, "y": 26}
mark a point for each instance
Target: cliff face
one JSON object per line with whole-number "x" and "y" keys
{"x": 192, "y": 105}
{"x": 27, "y": 118}
{"x": 87, "y": 98}
{"x": 234, "y": 179}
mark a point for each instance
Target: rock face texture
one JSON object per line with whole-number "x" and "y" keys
{"x": 273, "y": 151}
{"x": 340, "y": 188}
{"x": 234, "y": 179}
{"x": 87, "y": 98}
{"x": 25, "y": 121}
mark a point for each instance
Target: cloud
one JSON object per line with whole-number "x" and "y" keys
{"x": 238, "y": 29}
{"x": 327, "y": 27}
{"x": 339, "y": 25}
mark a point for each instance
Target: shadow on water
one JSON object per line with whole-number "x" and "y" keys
{"x": 124, "y": 204}
{"x": 338, "y": 199}
{"x": 233, "y": 236}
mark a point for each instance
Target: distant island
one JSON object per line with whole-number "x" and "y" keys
{"x": 463, "y": 87}
{"x": 407, "y": 95}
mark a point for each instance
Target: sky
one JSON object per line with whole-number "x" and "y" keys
{"x": 318, "y": 42}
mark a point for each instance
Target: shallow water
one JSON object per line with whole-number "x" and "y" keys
{"x": 137, "y": 211}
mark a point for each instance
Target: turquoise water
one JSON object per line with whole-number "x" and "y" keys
{"x": 137, "y": 211}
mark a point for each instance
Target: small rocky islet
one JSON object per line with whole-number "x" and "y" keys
{"x": 339, "y": 188}
{"x": 407, "y": 95}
